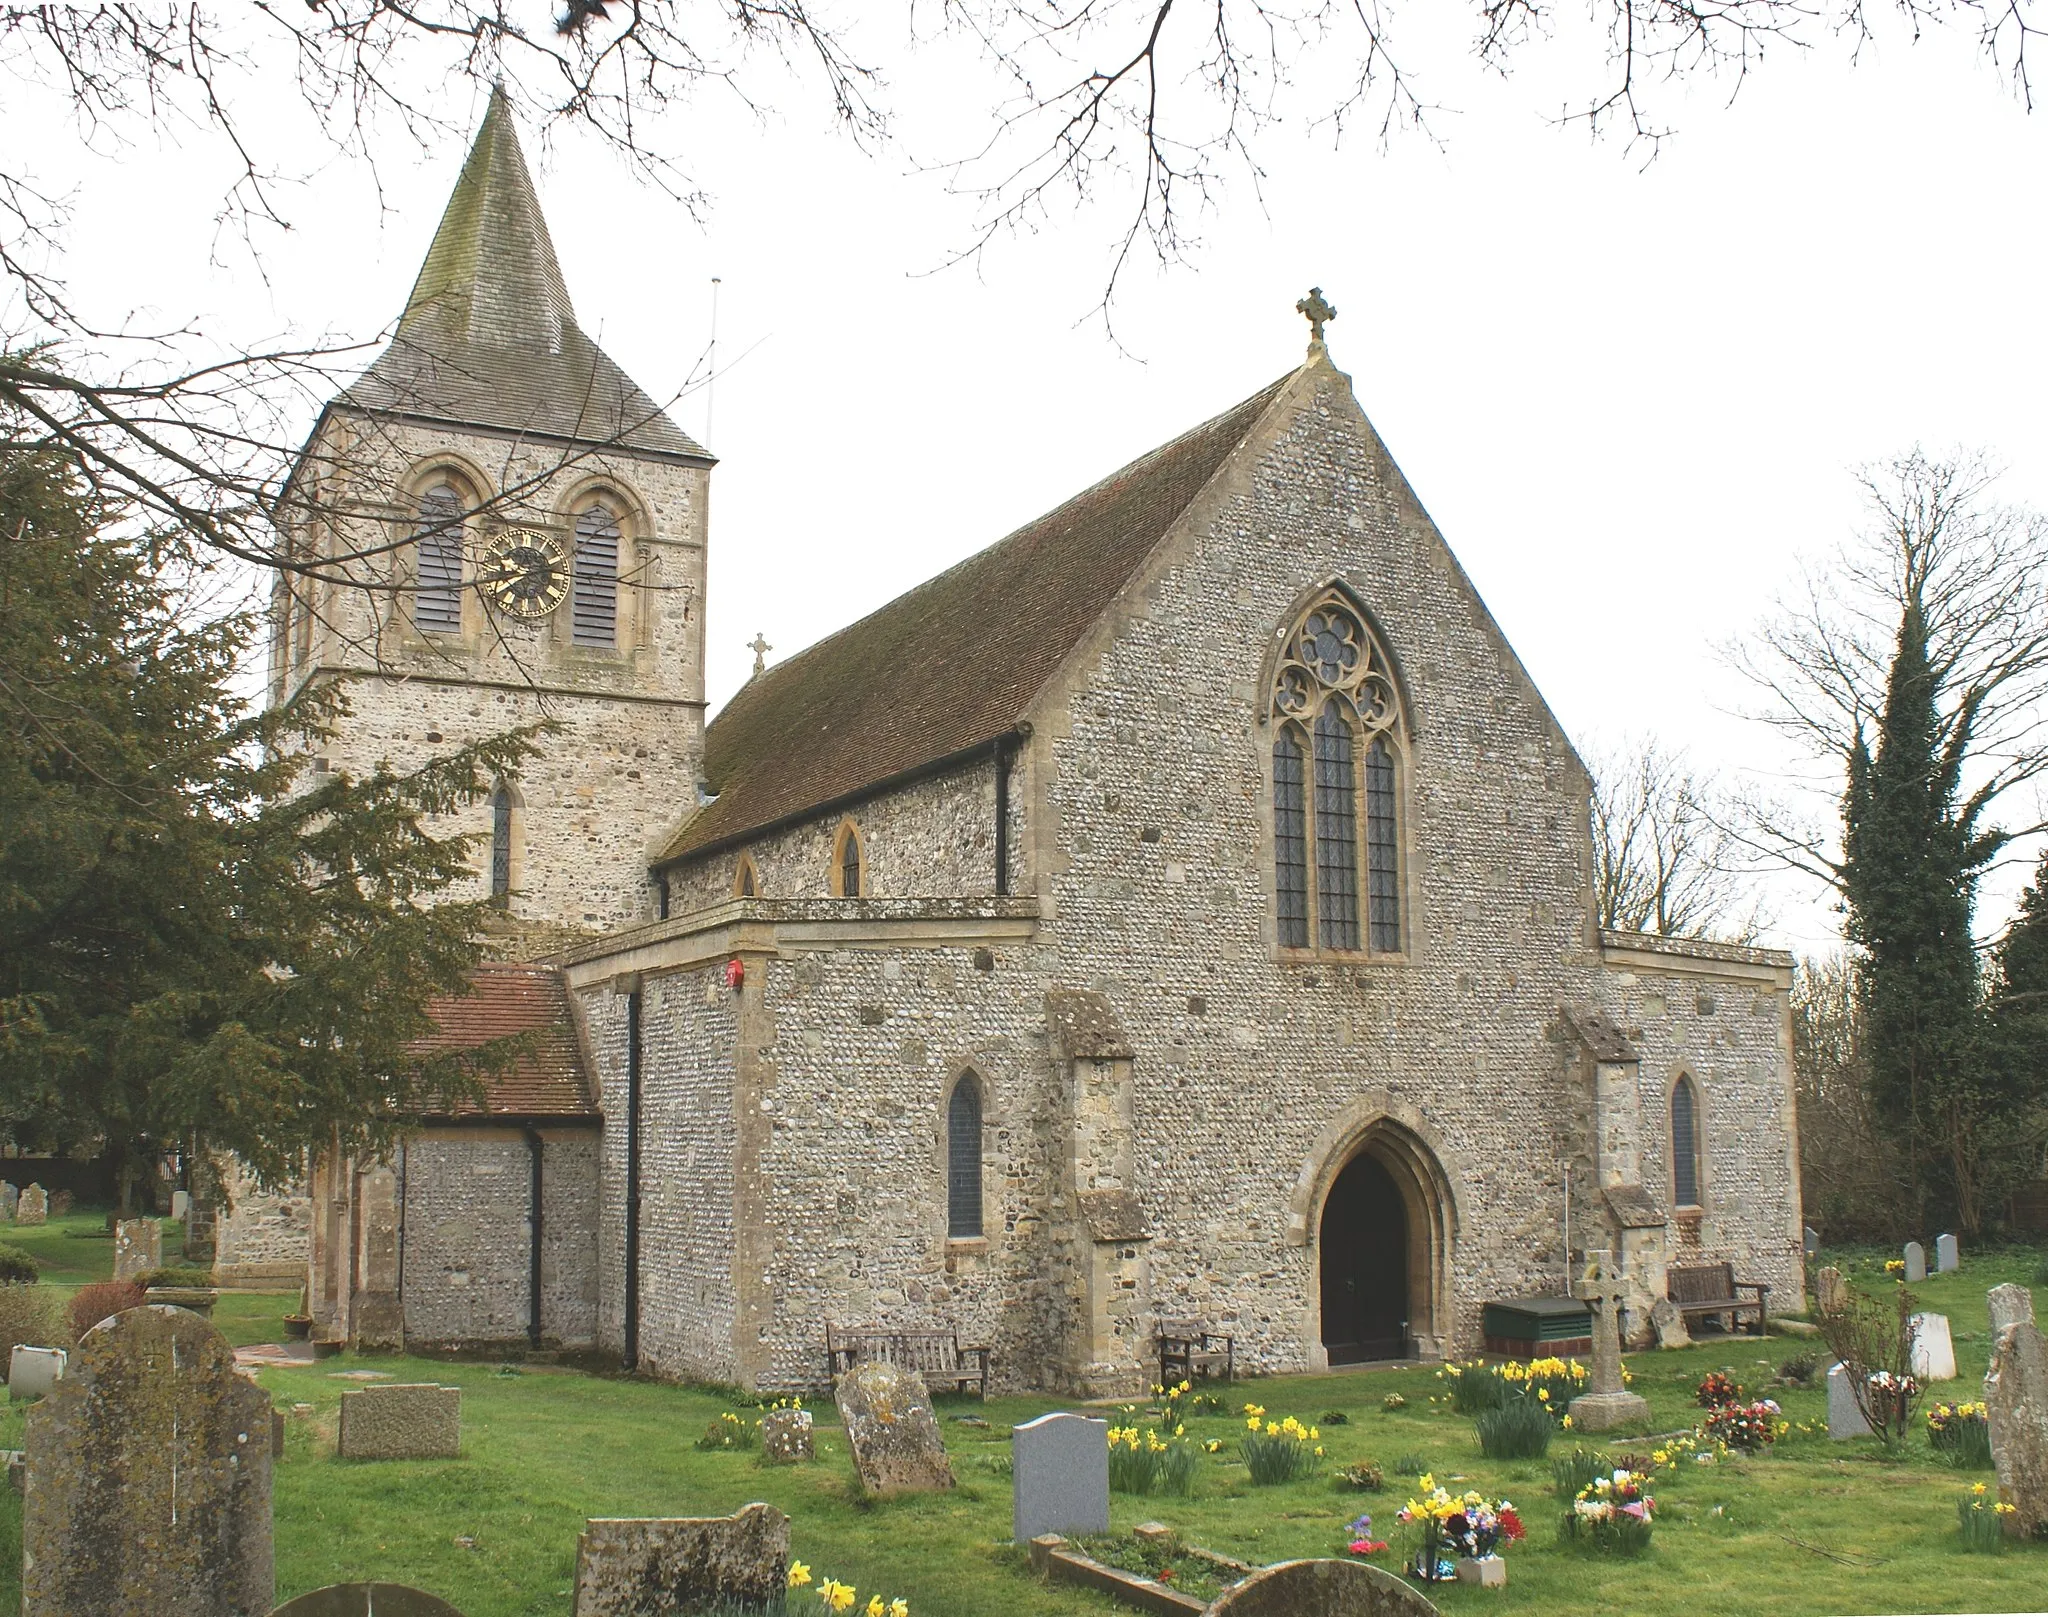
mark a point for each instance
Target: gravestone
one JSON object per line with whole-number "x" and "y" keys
{"x": 786, "y": 1436}
{"x": 1668, "y": 1324}
{"x": 1607, "y": 1402}
{"x": 2016, "y": 1403}
{"x": 1845, "y": 1420}
{"x": 366, "y": 1600}
{"x": 1948, "y": 1257}
{"x": 1812, "y": 1240}
{"x": 33, "y": 1371}
{"x": 10, "y": 1198}
{"x": 138, "y": 1247}
{"x": 1321, "y": 1589}
{"x": 650, "y": 1568}
{"x": 1931, "y": 1352}
{"x": 33, "y": 1208}
{"x": 1830, "y": 1291}
{"x": 1060, "y": 1477}
{"x": 1916, "y": 1263}
{"x": 181, "y": 1204}
{"x": 891, "y": 1430}
{"x": 148, "y": 1478}
{"x": 407, "y": 1420}
{"x": 61, "y": 1202}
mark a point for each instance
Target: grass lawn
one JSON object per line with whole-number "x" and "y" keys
{"x": 1810, "y": 1528}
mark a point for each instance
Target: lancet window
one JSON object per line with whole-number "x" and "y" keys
{"x": 963, "y": 1160}
{"x": 1685, "y": 1144}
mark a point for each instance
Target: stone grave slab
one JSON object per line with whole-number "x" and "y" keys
{"x": 787, "y": 1436}
{"x": 1845, "y": 1420}
{"x": 1059, "y": 1477}
{"x": 1810, "y": 1240}
{"x": 138, "y": 1247}
{"x": 1948, "y": 1256}
{"x": 407, "y": 1420}
{"x": 366, "y": 1600}
{"x": 149, "y": 1478}
{"x": 1830, "y": 1290}
{"x": 1931, "y": 1348}
{"x": 1321, "y": 1589}
{"x": 61, "y": 1202}
{"x": 890, "y": 1427}
{"x": 33, "y": 1371}
{"x": 2016, "y": 1399}
{"x": 181, "y": 1204}
{"x": 10, "y": 1198}
{"x": 2009, "y": 1304}
{"x": 1668, "y": 1324}
{"x": 632, "y": 1567}
{"x": 1916, "y": 1263}
{"x": 33, "y": 1208}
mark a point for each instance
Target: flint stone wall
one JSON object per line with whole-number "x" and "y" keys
{"x": 267, "y": 1234}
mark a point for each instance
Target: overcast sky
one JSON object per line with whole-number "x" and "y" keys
{"x": 1632, "y": 393}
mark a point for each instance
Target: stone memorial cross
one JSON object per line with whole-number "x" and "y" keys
{"x": 1060, "y": 1477}
{"x": 1608, "y": 1403}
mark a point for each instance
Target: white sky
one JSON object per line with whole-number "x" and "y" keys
{"x": 1630, "y": 394}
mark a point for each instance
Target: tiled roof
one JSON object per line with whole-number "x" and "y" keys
{"x": 545, "y": 1080}
{"x": 489, "y": 337}
{"x": 955, "y": 663}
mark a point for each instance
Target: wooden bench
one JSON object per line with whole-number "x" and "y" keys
{"x": 1713, "y": 1289}
{"x": 934, "y": 1353}
{"x": 1189, "y": 1350}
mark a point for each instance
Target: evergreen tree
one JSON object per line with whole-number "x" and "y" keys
{"x": 199, "y": 948}
{"x": 2017, "y": 1034}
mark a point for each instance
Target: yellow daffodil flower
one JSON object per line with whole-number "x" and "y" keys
{"x": 799, "y": 1574}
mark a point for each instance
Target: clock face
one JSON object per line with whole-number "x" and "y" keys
{"x": 526, "y": 572}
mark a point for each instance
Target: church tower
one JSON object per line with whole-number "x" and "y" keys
{"x": 500, "y": 527}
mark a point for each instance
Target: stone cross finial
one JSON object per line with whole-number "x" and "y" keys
{"x": 1318, "y": 311}
{"x": 760, "y": 648}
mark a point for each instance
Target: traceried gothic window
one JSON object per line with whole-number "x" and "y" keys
{"x": 1338, "y": 751}
{"x": 594, "y": 609}
{"x": 437, "y": 561}
{"x": 1685, "y": 1144}
{"x": 501, "y": 846}
{"x": 963, "y": 1160}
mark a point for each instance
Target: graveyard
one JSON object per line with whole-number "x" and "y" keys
{"x": 1808, "y": 1526}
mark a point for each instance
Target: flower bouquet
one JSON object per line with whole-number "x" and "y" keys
{"x": 1749, "y": 1428}
{"x": 1717, "y": 1391}
{"x": 1465, "y": 1525}
{"x": 1362, "y": 1541}
{"x": 1612, "y": 1515}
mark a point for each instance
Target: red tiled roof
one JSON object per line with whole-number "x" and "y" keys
{"x": 545, "y": 1080}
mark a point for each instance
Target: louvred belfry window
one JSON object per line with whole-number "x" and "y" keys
{"x": 1338, "y": 751}
{"x": 595, "y": 596}
{"x": 437, "y": 561}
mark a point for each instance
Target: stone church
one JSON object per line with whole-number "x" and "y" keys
{"x": 1180, "y": 909}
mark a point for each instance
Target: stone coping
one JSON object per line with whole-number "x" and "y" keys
{"x": 1693, "y": 949}
{"x": 1054, "y": 1557}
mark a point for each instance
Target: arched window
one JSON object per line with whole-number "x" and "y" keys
{"x": 745, "y": 883}
{"x": 1685, "y": 1144}
{"x": 594, "y": 612}
{"x": 849, "y": 878}
{"x": 437, "y": 561}
{"x": 1338, "y": 714}
{"x": 501, "y": 846}
{"x": 963, "y": 1160}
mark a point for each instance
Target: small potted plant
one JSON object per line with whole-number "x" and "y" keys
{"x": 299, "y": 1326}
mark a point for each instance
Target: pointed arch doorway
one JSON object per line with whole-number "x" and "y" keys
{"x": 1364, "y": 1259}
{"x": 1381, "y": 1218}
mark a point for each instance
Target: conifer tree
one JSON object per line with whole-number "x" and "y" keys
{"x": 2017, "y": 1031}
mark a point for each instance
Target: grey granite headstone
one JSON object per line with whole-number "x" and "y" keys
{"x": 2016, "y": 1399}
{"x": 1845, "y": 1420}
{"x": 33, "y": 1371}
{"x": 891, "y": 1430}
{"x": 1321, "y": 1589}
{"x": 1948, "y": 1257}
{"x": 1811, "y": 1240}
{"x": 1060, "y": 1477}
{"x": 366, "y": 1600}
{"x": 1916, "y": 1263}
{"x": 1931, "y": 1349}
{"x": 787, "y": 1436}
{"x": 651, "y": 1568}
{"x": 138, "y": 1247}
{"x": 33, "y": 1208}
{"x": 1830, "y": 1290}
{"x": 149, "y": 1478}
{"x": 406, "y": 1420}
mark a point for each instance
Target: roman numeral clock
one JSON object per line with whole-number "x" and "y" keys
{"x": 526, "y": 572}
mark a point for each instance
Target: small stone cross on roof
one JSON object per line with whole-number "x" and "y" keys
{"x": 760, "y": 648}
{"x": 1319, "y": 312}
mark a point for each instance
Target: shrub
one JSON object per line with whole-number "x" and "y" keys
{"x": 1960, "y": 1435}
{"x": 1278, "y": 1451}
{"x": 17, "y": 1268}
{"x": 1520, "y": 1429}
{"x": 31, "y": 1317}
{"x": 1982, "y": 1521}
{"x": 102, "y": 1301}
{"x": 1336, "y": 1417}
{"x": 1577, "y": 1472}
{"x": 1363, "y": 1475}
{"x": 1473, "y": 1387}
{"x": 1410, "y": 1465}
{"x": 184, "y": 1274}
{"x": 730, "y": 1432}
{"x": 1799, "y": 1370}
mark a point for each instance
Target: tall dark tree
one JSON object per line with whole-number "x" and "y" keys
{"x": 199, "y": 947}
{"x": 2016, "y": 1014}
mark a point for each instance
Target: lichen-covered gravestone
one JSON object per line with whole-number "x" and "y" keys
{"x": 632, "y": 1567}
{"x": 33, "y": 1208}
{"x": 1931, "y": 1348}
{"x": 406, "y": 1420}
{"x": 1321, "y": 1589}
{"x": 787, "y": 1436}
{"x": 1059, "y": 1474}
{"x": 1948, "y": 1257}
{"x": 1916, "y": 1263}
{"x": 1667, "y": 1324}
{"x": 2016, "y": 1399}
{"x": 61, "y": 1202}
{"x": 891, "y": 1430}
{"x": 138, "y": 1247}
{"x": 366, "y": 1600}
{"x": 1845, "y": 1419}
{"x": 10, "y": 1198}
{"x": 149, "y": 1478}
{"x": 1830, "y": 1291}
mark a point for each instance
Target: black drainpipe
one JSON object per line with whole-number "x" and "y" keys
{"x": 533, "y": 1223}
{"x": 632, "y": 1321}
{"x": 1002, "y": 817}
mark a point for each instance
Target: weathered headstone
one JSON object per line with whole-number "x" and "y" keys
{"x": 650, "y": 1568}
{"x": 1948, "y": 1257}
{"x": 366, "y": 1600}
{"x": 787, "y": 1436}
{"x": 61, "y": 1203}
{"x": 33, "y": 1371}
{"x": 1668, "y": 1324}
{"x": 10, "y": 1198}
{"x": 890, "y": 1427}
{"x": 407, "y": 1420}
{"x": 33, "y": 1208}
{"x": 1811, "y": 1242}
{"x": 149, "y": 1478}
{"x": 1830, "y": 1290}
{"x": 1931, "y": 1352}
{"x": 1607, "y": 1402}
{"x": 2016, "y": 1400}
{"x": 181, "y": 1204}
{"x": 1321, "y": 1589}
{"x": 1845, "y": 1420}
{"x": 138, "y": 1247}
{"x": 1059, "y": 1475}
{"x": 1916, "y": 1263}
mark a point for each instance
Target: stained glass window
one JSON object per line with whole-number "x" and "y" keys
{"x": 963, "y": 1160}
{"x": 1382, "y": 849}
{"x": 1336, "y": 831}
{"x": 501, "y": 845}
{"x": 437, "y": 576}
{"x": 1290, "y": 839}
{"x": 595, "y": 607}
{"x": 1685, "y": 1145}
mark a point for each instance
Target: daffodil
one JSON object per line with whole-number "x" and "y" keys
{"x": 899, "y": 1607}
{"x": 875, "y": 1608}
{"x": 799, "y": 1574}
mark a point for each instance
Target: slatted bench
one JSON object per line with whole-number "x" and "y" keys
{"x": 1188, "y": 1349}
{"x": 1712, "y": 1288}
{"x": 934, "y": 1353}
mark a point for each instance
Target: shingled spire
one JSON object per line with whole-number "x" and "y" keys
{"x": 489, "y": 336}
